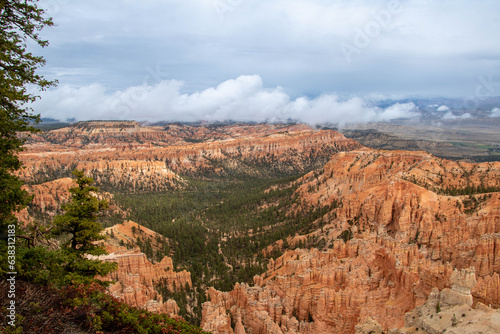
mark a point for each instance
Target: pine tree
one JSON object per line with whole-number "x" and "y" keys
{"x": 19, "y": 22}
{"x": 73, "y": 261}
{"x": 80, "y": 217}
{"x": 79, "y": 223}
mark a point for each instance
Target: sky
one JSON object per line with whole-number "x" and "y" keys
{"x": 246, "y": 60}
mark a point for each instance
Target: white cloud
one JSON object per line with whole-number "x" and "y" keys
{"x": 242, "y": 99}
{"x": 495, "y": 112}
{"x": 443, "y": 108}
{"x": 450, "y": 115}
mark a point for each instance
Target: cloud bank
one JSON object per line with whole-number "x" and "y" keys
{"x": 240, "y": 99}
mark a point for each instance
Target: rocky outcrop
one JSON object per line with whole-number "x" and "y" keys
{"x": 48, "y": 198}
{"x": 308, "y": 291}
{"x": 369, "y": 326}
{"x": 410, "y": 223}
{"x": 487, "y": 290}
{"x": 354, "y": 287}
{"x": 137, "y": 279}
{"x": 129, "y": 234}
{"x": 413, "y": 228}
{"x": 450, "y": 311}
{"x": 136, "y": 157}
{"x": 415, "y": 198}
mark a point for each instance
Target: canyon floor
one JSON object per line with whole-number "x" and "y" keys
{"x": 282, "y": 228}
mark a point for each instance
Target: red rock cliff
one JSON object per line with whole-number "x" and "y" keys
{"x": 411, "y": 228}
{"x": 137, "y": 278}
{"x": 150, "y": 158}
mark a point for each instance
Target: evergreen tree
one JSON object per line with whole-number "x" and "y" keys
{"x": 79, "y": 223}
{"x": 71, "y": 263}
{"x": 19, "y": 21}
{"x": 80, "y": 218}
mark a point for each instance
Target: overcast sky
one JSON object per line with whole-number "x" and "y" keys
{"x": 313, "y": 60}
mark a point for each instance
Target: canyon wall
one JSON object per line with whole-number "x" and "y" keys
{"x": 137, "y": 279}
{"x": 407, "y": 228}
{"x": 127, "y": 156}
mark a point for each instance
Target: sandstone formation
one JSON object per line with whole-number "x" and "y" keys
{"x": 128, "y": 156}
{"x": 137, "y": 278}
{"x": 412, "y": 198}
{"x": 402, "y": 230}
{"x": 129, "y": 234}
{"x": 450, "y": 311}
{"x": 48, "y": 197}
{"x": 308, "y": 291}
{"x": 413, "y": 220}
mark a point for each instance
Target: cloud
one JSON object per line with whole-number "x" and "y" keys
{"x": 450, "y": 115}
{"x": 242, "y": 99}
{"x": 443, "y": 108}
{"x": 495, "y": 112}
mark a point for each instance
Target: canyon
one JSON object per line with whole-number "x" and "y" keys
{"x": 397, "y": 229}
{"x": 406, "y": 237}
{"x": 128, "y": 156}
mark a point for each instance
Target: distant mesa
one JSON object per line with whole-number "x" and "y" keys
{"x": 106, "y": 124}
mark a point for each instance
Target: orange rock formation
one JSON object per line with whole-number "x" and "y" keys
{"x": 411, "y": 228}
{"x": 133, "y": 157}
{"x": 413, "y": 219}
{"x": 137, "y": 278}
